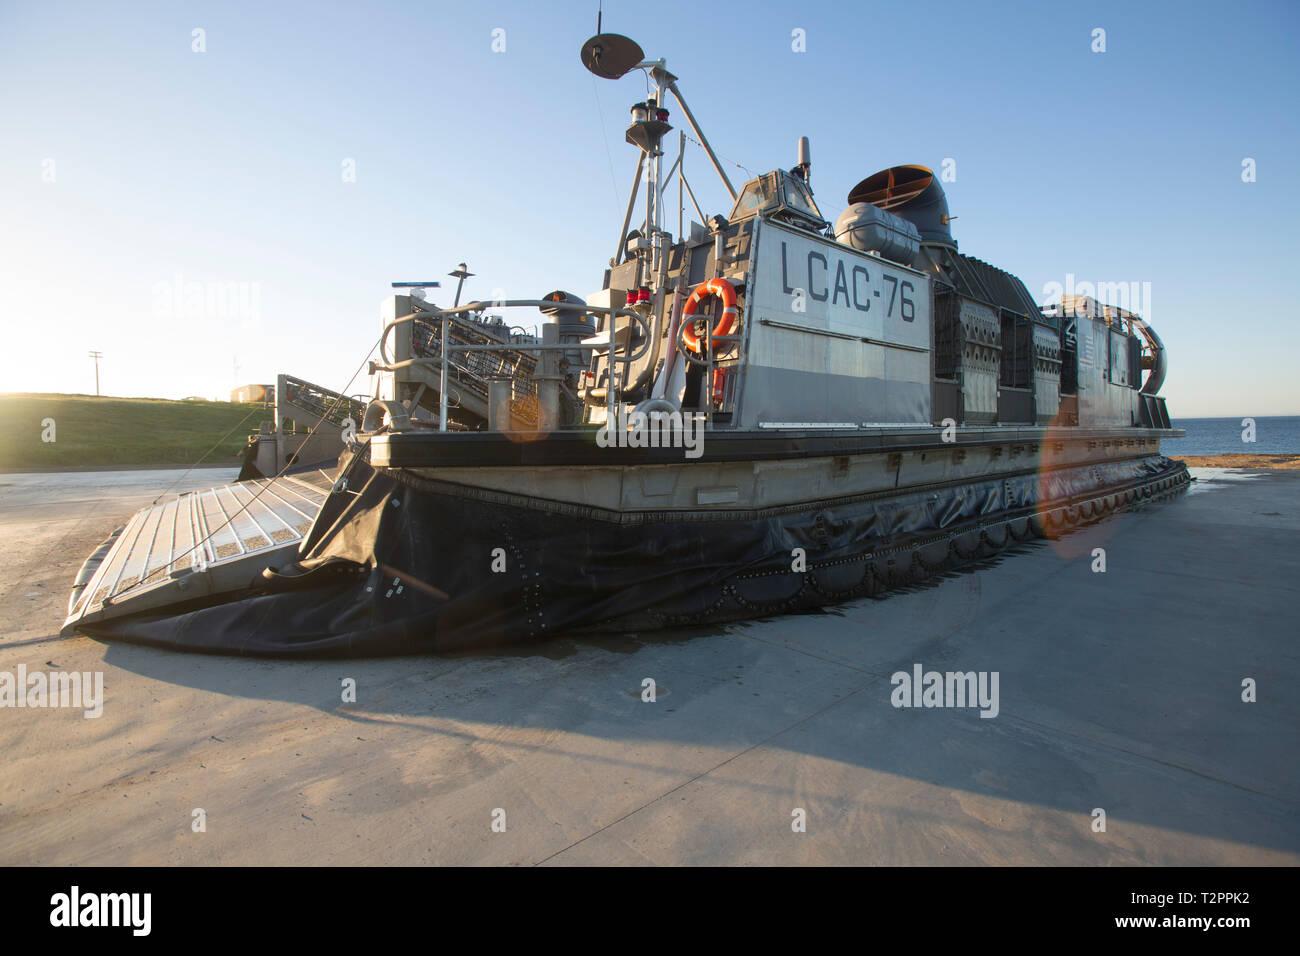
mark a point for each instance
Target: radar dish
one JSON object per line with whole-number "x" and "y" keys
{"x": 610, "y": 55}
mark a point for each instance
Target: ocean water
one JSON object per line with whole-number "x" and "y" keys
{"x": 1222, "y": 436}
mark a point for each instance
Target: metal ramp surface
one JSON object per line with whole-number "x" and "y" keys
{"x": 200, "y": 543}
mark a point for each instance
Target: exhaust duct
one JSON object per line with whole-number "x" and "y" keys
{"x": 912, "y": 193}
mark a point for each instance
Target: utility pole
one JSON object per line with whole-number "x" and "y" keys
{"x": 96, "y": 356}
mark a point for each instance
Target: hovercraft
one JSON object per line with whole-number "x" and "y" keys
{"x": 763, "y": 412}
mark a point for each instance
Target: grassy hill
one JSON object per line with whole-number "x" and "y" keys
{"x": 121, "y": 431}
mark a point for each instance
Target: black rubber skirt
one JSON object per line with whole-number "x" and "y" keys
{"x": 399, "y": 565}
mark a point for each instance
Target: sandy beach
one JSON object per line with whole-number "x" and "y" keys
{"x": 1253, "y": 462}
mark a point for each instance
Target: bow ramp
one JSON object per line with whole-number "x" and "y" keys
{"x": 198, "y": 544}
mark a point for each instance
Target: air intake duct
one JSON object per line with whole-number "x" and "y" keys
{"x": 570, "y": 313}
{"x": 912, "y": 193}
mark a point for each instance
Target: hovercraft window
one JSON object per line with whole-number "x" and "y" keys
{"x": 752, "y": 198}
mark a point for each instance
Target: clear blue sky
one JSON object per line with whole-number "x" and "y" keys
{"x": 226, "y": 165}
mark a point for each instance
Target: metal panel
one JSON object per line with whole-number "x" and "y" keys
{"x": 947, "y": 402}
{"x": 1015, "y": 406}
{"x": 1047, "y": 373}
{"x": 1119, "y": 359}
{"x": 833, "y": 334}
{"x": 981, "y": 360}
{"x": 1100, "y": 401}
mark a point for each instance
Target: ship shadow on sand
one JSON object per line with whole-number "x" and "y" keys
{"x": 1088, "y": 718}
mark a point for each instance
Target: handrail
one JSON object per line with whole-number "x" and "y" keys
{"x": 510, "y": 304}
{"x": 446, "y": 315}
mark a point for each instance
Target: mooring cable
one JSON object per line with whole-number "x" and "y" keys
{"x": 220, "y": 440}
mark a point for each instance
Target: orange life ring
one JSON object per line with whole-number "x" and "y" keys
{"x": 725, "y": 291}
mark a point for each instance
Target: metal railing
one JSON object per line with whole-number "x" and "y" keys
{"x": 445, "y": 317}
{"x": 474, "y": 373}
{"x": 321, "y": 402}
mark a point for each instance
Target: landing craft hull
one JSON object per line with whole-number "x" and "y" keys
{"x": 407, "y": 561}
{"x": 878, "y": 407}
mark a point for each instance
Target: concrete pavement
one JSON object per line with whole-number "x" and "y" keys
{"x": 1119, "y": 691}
